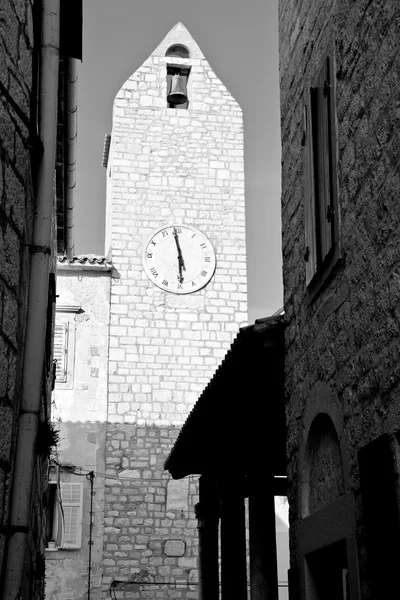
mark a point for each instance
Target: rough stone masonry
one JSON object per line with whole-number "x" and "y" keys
{"x": 342, "y": 344}
{"x": 17, "y": 97}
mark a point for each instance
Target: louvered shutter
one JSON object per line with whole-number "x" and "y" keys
{"x": 71, "y": 494}
{"x": 320, "y": 102}
{"x": 60, "y": 351}
{"x": 309, "y": 195}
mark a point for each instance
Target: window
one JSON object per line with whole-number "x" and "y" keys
{"x": 65, "y": 515}
{"x": 320, "y": 189}
{"x": 60, "y": 351}
{"x": 71, "y": 494}
{"x": 64, "y": 346}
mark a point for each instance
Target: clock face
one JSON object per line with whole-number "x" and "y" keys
{"x": 179, "y": 259}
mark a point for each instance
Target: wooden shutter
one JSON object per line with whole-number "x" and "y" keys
{"x": 60, "y": 351}
{"x": 309, "y": 195}
{"x": 72, "y": 494}
{"x": 322, "y": 150}
{"x": 58, "y": 518}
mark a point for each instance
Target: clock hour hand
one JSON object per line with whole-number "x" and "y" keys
{"x": 181, "y": 262}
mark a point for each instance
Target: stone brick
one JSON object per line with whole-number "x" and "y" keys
{"x": 10, "y": 252}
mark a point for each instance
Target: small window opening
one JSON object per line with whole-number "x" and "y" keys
{"x": 64, "y": 515}
{"x": 177, "y": 79}
{"x": 177, "y": 50}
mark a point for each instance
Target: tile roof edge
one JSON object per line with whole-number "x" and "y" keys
{"x": 85, "y": 262}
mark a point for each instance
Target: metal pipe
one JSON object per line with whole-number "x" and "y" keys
{"x": 90, "y": 476}
{"x": 71, "y": 111}
{"x": 29, "y": 415}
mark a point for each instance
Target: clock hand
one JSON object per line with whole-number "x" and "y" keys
{"x": 181, "y": 262}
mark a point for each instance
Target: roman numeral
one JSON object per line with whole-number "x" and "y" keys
{"x": 148, "y": 255}
{"x": 180, "y": 286}
{"x": 203, "y": 245}
{"x": 193, "y": 284}
{"x": 153, "y": 272}
{"x": 208, "y": 259}
{"x": 203, "y": 273}
{"x": 164, "y": 233}
{"x": 165, "y": 282}
{"x": 153, "y": 242}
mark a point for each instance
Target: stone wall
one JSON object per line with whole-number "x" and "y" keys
{"x": 342, "y": 345}
{"x": 150, "y": 533}
{"x": 166, "y": 166}
{"x": 16, "y": 218}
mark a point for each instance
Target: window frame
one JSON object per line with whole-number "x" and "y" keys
{"x": 58, "y": 516}
{"x": 71, "y": 504}
{"x": 65, "y": 316}
{"x": 322, "y": 240}
{"x": 61, "y": 356}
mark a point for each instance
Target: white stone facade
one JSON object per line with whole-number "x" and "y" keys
{"x": 172, "y": 166}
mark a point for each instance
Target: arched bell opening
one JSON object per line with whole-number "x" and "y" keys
{"x": 177, "y": 78}
{"x": 177, "y": 86}
{"x": 178, "y": 50}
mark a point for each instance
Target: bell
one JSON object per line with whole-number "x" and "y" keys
{"x": 177, "y": 93}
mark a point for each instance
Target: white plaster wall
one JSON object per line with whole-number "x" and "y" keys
{"x": 85, "y": 397}
{"x": 80, "y": 414}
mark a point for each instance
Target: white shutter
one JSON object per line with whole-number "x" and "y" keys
{"x": 72, "y": 497}
{"x": 60, "y": 351}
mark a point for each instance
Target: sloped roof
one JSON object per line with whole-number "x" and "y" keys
{"x": 238, "y": 422}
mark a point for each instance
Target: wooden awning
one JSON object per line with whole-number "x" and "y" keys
{"x": 238, "y": 422}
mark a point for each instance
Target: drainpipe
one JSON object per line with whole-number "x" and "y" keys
{"x": 71, "y": 106}
{"x": 29, "y": 415}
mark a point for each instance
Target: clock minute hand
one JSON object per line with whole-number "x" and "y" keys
{"x": 181, "y": 262}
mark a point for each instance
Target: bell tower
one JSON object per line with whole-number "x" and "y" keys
{"x": 175, "y": 232}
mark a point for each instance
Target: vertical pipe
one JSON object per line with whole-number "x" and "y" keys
{"x": 207, "y": 515}
{"x": 71, "y": 106}
{"x": 90, "y": 476}
{"x": 233, "y": 540}
{"x": 262, "y": 534}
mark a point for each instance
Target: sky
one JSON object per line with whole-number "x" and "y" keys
{"x": 239, "y": 39}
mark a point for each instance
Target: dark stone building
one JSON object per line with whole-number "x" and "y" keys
{"x": 30, "y": 33}
{"x": 340, "y": 111}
